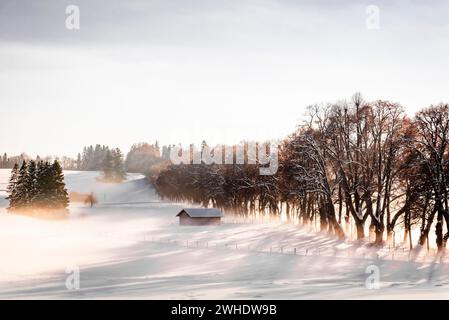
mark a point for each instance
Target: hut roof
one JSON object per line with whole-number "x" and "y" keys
{"x": 202, "y": 212}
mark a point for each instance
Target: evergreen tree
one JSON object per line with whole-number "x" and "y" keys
{"x": 84, "y": 160}
{"x": 59, "y": 198}
{"x": 98, "y": 156}
{"x": 88, "y": 158}
{"x": 21, "y": 196}
{"x": 12, "y": 186}
{"x": 108, "y": 167}
{"x": 30, "y": 183}
{"x": 43, "y": 182}
{"x": 78, "y": 162}
{"x": 118, "y": 166}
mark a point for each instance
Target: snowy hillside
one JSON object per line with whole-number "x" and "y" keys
{"x": 130, "y": 246}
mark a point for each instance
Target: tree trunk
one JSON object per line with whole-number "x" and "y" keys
{"x": 360, "y": 226}
{"x": 439, "y": 232}
{"x": 439, "y": 224}
{"x": 340, "y": 204}
{"x": 379, "y": 231}
{"x": 424, "y": 230}
{"x": 336, "y": 228}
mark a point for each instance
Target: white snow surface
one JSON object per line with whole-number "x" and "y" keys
{"x": 130, "y": 246}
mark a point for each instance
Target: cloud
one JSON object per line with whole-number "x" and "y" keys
{"x": 171, "y": 69}
{"x": 208, "y": 23}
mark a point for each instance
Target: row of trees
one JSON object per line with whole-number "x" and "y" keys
{"x": 141, "y": 157}
{"x": 92, "y": 158}
{"x": 360, "y": 163}
{"x": 101, "y": 158}
{"x": 8, "y": 162}
{"x": 37, "y": 186}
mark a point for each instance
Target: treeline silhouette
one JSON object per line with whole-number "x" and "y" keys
{"x": 92, "y": 157}
{"x": 140, "y": 158}
{"x": 8, "y": 162}
{"x": 357, "y": 162}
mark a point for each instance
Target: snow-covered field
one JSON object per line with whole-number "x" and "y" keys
{"x": 131, "y": 246}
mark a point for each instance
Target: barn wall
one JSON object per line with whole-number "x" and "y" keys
{"x": 187, "y": 221}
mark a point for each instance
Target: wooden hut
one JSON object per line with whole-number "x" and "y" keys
{"x": 200, "y": 216}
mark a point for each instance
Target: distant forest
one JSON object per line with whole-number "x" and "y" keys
{"x": 141, "y": 157}
{"x": 353, "y": 162}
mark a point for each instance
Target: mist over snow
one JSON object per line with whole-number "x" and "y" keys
{"x": 130, "y": 246}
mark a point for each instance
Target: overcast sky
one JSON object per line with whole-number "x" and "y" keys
{"x": 183, "y": 71}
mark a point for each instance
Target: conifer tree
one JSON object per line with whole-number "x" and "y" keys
{"x": 30, "y": 183}
{"x": 12, "y": 186}
{"x": 43, "y": 182}
{"x": 108, "y": 167}
{"x": 118, "y": 166}
{"x": 59, "y": 196}
{"x": 21, "y": 197}
{"x": 78, "y": 162}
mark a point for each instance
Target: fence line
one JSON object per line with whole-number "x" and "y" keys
{"x": 393, "y": 254}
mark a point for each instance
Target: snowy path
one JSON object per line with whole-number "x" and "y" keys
{"x": 130, "y": 246}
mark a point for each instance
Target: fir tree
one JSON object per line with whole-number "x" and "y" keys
{"x": 117, "y": 163}
{"x": 12, "y": 186}
{"x": 108, "y": 167}
{"x": 21, "y": 196}
{"x": 43, "y": 182}
{"x": 78, "y": 162}
{"x": 30, "y": 183}
{"x": 59, "y": 197}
